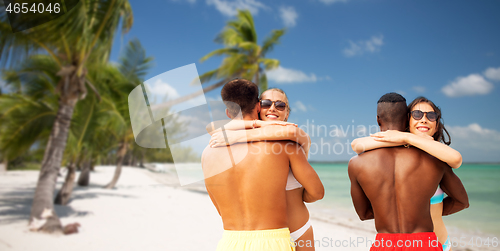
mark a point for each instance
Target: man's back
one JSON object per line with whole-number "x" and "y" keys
{"x": 251, "y": 194}
{"x": 399, "y": 183}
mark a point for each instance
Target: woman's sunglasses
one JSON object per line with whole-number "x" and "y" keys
{"x": 266, "y": 104}
{"x": 418, "y": 115}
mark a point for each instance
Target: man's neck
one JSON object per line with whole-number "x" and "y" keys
{"x": 250, "y": 117}
{"x": 391, "y": 127}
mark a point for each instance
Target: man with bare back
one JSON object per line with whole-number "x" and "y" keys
{"x": 394, "y": 186}
{"x": 247, "y": 181}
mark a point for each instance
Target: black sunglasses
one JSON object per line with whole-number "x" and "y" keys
{"x": 266, "y": 104}
{"x": 418, "y": 115}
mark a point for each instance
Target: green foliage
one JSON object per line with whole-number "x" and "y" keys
{"x": 84, "y": 33}
{"x": 25, "y": 166}
{"x": 41, "y": 62}
{"x": 243, "y": 56}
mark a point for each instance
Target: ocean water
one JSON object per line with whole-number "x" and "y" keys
{"x": 482, "y": 182}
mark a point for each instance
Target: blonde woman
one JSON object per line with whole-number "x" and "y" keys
{"x": 274, "y": 113}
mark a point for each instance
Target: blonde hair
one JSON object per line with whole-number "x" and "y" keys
{"x": 285, "y": 99}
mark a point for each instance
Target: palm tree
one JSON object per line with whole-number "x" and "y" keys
{"x": 85, "y": 125}
{"x": 29, "y": 110}
{"x": 132, "y": 69}
{"x": 80, "y": 38}
{"x": 244, "y": 57}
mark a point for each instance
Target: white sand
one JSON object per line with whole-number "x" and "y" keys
{"x": 146, "y": 211}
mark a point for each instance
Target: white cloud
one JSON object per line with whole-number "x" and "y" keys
{"x": 364, "y": 46}
{"x": 284, "y": 75}
{"x": 419, "y": 89}
{"x": 328, "y": 2}
{"x": 475, "y": 142}
{"x": 472, "y": 85}
{"x": 161, "y": 92}
{"x": 492, "y": 73}
{"x": 229, "y": 8}
{"x": 353, "y": 50}
{"x": 299, "y": 106}
{"x": 289, "y": 16}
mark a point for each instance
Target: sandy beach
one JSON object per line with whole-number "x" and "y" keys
{"x": 146, "y": 211}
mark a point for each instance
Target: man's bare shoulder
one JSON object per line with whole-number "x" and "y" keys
{"x": 208, "y": 151}
{"x": 372, "y": 154}
{"x": 432, "y": 159}
{"x": 205, "y": 151}
{"x": 368, "y": 158}
{"x": 280, "y": 146}
{"x": 355, "y": 166}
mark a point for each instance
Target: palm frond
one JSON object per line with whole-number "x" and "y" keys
{"x": 271, "y": 41}
{"x": 250, "y": 47}
{"x": 14, "y": 47}
{"x": 269, "y": 63}
{"x": 229, "y": 37}
{"x": 134, "y": 63}
{"x": 88, "y": 28}
{"x": 218, "y": 52}
{"x": 26, "y": 122}
{"x": 207, "y": 76}
{"x": 243, "y": 56}
{"x": 263, "y": 83}
{"x": 247, "y": 26}
{"x": 35, "y": 77}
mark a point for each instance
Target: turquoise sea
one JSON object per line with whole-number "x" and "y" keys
{"x": 482, "y": 182}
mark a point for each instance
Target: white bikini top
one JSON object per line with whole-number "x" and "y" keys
{"x": 291, "y": 182}
{"x": 439, "y": 191}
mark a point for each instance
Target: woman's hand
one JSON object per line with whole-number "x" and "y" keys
{"x": 261, "y": 123}
{"x": 233, "y": 137}
{"x": 392, "y": 136}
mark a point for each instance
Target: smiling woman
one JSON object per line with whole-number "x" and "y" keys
{"x": 427, "y": 133}
{"x": 274, "y": 105}
{"x": 426, "y": 119}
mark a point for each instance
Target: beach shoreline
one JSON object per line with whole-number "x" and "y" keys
{"x": 150, "y": 211}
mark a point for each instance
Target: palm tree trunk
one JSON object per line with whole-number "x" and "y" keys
{"x": 141, "y": 160}
{"x": 257, "y": 80}
{"x": 134, "y": 160}
{"x": 44, "y": 193}
{"x": 121, "y": 155}
{"x": 4, "y": 166}
{"x": 64, "y": 194}
{"x": 84, "y": 178}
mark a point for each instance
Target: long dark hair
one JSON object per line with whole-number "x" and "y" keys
{"x": 440, "y": 129}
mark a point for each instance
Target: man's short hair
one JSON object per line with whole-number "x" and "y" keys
{"x": 391, "y": 97}
{"x": 242, "y": 94}
{"x": 392, "y": 110}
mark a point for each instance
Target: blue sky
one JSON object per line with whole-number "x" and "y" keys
{"x": 339, "y": 56}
